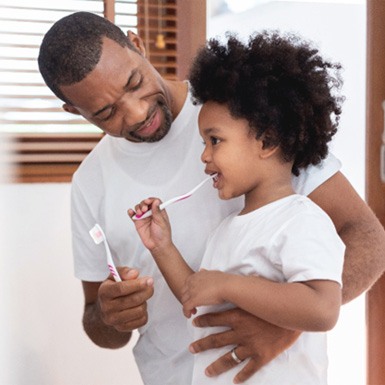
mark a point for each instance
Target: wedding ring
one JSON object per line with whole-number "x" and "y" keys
{"x": 235, "y": 357}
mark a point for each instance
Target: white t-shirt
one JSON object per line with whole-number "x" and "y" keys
{"x": 289, "y": 240}
{"x": 118, "y": 174}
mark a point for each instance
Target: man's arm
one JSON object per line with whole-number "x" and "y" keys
{"x": 113, "y": 309}
{"x": 260, "y": 342}
{"x": 360, "y": 230}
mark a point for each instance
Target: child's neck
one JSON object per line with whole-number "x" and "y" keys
{"x": 267, "y": 193}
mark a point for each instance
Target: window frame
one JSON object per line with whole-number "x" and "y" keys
{"x": 52, "y": 158}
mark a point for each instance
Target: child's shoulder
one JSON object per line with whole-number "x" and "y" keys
{"x": 302, "y": 210}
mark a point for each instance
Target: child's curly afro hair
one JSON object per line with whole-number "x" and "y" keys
{"x": 280, "y": 85}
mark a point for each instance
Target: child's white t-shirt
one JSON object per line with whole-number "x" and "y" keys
{"x": 289, "y": 240}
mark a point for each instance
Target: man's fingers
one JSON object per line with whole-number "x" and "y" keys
{"x": 131, "y": 319}
{"x": 213, "y": 341}
{"x": 128, "y": 286}
{"x": 227, "y": 362}
{"x": 248, "y": 370}
{"x": 221, "y": 365}
{"x": 125, "y": 318}
{"x": 225, "y": 318}
{"x": 126, "y": 273}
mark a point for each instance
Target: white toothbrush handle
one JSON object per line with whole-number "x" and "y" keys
{"x": 162, "y": 206}
{"x": 175, "y": 199}
{"x": 111, "y": 264}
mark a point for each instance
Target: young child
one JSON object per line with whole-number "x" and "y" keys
{"x": 268, "y": 110}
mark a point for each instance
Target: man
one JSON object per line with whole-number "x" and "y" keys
{"x": 153, "y": 146}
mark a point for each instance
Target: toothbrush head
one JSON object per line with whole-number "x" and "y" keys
{"x": 97, "y": 234}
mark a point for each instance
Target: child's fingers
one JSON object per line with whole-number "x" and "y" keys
{"x": 158, "y": 214}
{"x": 188, "y": 311}
{"x": 155, "y": 208}
{"x": 143, "y": 206}
{"x": 131, "y": 213}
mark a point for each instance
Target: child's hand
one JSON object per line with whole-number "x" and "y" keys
{"x": 202, "y": 288}
{"x": 154, "y": 231}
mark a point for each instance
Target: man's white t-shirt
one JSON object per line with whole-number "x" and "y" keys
{"x": 289, "y": 240}
{"x": 118, "y": 174}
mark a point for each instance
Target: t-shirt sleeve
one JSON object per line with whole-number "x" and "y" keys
{"x": 309, "y": 248}
{"x": 89, "y": 259}
{"x": 313, "y": 176}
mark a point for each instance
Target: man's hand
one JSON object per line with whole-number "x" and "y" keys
{"x": 257, "y": 341}
{"x": 123, "y": 305}
{"x": 114, "y": 309}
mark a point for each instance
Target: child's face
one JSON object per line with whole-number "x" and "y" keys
{"x": 231, "y": 150}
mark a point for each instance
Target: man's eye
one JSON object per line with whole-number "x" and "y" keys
{"x": 214, "y": 141}
{"x": 136, "y": 85}
{"x": 108, "y": 115}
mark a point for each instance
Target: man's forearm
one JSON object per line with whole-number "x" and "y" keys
{"x": 101, "y": 334}
{"x": 359, "y": 229}
{"x": 365, "y": 256}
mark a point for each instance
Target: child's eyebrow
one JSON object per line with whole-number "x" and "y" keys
{"x": 210, "y": 130}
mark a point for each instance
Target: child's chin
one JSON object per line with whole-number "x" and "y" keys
{"x": 222, "y": 195}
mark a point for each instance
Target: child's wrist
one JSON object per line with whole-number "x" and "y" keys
{"x": 161, "y": 251}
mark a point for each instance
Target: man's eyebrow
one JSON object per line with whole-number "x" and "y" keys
{"x": 126, "y": 86}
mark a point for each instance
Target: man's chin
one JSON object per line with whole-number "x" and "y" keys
{"x": 155, "y": 137}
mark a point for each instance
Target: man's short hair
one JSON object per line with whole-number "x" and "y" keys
{"x": 72, "y": 48}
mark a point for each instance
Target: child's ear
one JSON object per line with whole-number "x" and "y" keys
{"x": 267, "y": 152}
{"x": 269, "y": 145}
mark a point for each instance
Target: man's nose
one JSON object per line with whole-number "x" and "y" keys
{"x": 135, "y": 111}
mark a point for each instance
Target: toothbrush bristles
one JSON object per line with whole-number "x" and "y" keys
{"x": 96, "y": 234}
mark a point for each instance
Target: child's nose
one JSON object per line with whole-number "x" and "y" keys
{"x": 205, "y": 157}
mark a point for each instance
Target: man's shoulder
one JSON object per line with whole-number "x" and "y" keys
{"x": 91, "y": 164}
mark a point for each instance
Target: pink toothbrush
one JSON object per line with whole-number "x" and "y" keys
{"x": 98, "y": 236}
{"x": 176, "y": 199}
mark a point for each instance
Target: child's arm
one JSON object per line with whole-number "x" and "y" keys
{"x": 310, "y": 306}
{"x": 155, "y": 233}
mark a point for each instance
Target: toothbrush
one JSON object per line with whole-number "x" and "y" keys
{"x": 98, "y": 236}
{"x": 175, "y": 199}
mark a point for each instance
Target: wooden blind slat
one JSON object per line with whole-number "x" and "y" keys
{"x": 55, "y": 156}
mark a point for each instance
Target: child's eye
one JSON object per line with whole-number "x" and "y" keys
{"x": 214, "y": 140}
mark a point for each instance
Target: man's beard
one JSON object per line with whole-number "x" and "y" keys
{"x": 161, "y": 132}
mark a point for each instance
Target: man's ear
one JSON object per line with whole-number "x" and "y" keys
{"x": 71, "y": 109}
{"x": 137, "y": 42}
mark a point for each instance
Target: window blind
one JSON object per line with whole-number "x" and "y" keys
{"x": 39, "y": 141}
{"x": 26, "y": 104}
{"x": 157, "y": 26}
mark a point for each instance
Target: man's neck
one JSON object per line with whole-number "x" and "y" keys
{"x": 178, "y": 92}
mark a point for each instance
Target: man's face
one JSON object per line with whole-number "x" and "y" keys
{"x": 123, "y": 95}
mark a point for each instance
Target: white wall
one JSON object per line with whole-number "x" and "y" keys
{"x": 339, "y": 30}
{"x": 41, "y": 336}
